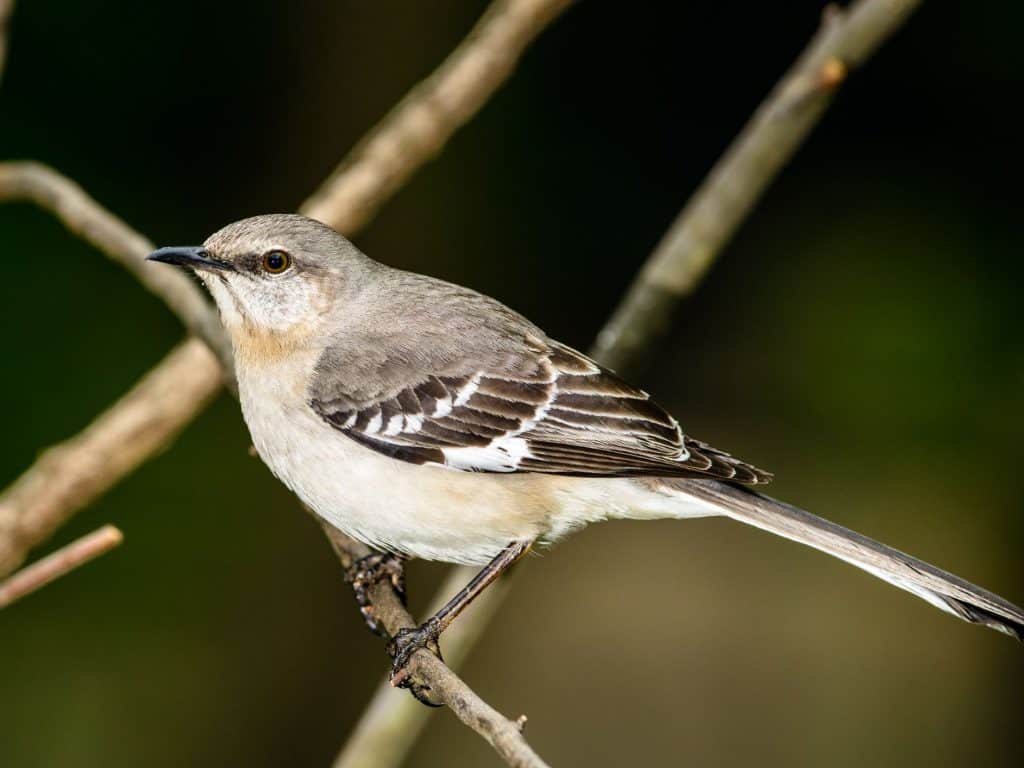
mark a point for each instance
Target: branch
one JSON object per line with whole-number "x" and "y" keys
{"x": 63, "y": 561}
{"x": 6, "y": 11}
{"x": 437, "y": 683}
{"x": 83, "y": 216}
{"x": 69, "y": 476}
{"x": 847, "y": 38}
{"x": 421, "y": 123}
{"x": 392, "y": 724}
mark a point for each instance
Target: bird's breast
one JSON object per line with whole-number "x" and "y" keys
{"x": 422, "y": 510}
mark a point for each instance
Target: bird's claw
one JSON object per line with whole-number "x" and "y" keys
{"x": 404, "y": 644}
{"x": 373, "y": 569}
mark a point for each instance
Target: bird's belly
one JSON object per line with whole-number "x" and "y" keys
{"x": 423, "y": 511}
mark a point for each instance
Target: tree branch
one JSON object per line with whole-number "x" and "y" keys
{"x": 729, "y": 193}
{"x": 392, "y": 724}
{"x": 436, "y": 682}
{"x": 6, "y": 11}
{"x": 421, "y": 123}
{"x": 63, "y": 561}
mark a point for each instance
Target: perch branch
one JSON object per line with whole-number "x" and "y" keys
{"x": 421, "y": 123}
{"x": 391, "y": 724}
{"x": 846, "y": 39}
{"x": 440, "y": 684}
{"x": 63, "y": 561}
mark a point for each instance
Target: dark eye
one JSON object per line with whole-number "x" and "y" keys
{"x": 276, "y": 262}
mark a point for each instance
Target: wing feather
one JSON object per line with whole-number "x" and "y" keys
{"x": 564, "y": 415}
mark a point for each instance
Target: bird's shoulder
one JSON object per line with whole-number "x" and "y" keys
{"x": 408, "y": 327}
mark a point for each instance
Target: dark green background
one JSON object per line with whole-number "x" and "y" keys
{"x": 861, "y": 338}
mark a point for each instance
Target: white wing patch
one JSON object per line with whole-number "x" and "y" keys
{"x": 502, "y": 455}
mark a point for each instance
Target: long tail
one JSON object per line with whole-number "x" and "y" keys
{"x": 943, "y": 590}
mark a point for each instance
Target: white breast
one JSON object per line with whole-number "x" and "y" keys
{"x": 424, "y": 511}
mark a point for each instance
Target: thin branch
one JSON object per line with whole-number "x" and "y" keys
{"x": 71, "y": 475}
{"x": 847, "y": 38}
{"x": 83, "y": 216}
{"x": 436, "y": 682}
{"x": 63, "y": 561}
{"x": 421, "y": 123}
{"x": 6, "y": 11}
{"x": 392, "y": 724}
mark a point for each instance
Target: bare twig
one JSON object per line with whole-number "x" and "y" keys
{"x": 391, "y": 724}
{"x": 83, "y": 216}
{"x": 726, "y": 197}
{"x": 436, "y": 681}
{"x": 71, "y": 475}
{"x": 420, "y": 124}
{"x": 6, "y": 9}
{"x": 63, "y": 561}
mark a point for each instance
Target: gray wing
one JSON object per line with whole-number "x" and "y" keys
{"x": 554, "y": 411}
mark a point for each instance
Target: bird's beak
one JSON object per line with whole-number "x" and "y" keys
{"x": 195, "y": 257}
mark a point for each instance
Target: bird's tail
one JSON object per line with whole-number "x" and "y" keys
{"x": 943, "y": 590}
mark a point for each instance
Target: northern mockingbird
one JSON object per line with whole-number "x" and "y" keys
{"x": 428, "y": 420}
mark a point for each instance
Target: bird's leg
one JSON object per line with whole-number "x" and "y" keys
{"x": 404, "y": 644}
{"x": 370, "y": 570}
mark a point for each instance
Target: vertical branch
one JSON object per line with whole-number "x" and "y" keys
{"x": 6, "y": 10}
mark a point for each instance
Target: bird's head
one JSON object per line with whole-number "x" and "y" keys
{"x": 275, "y": 278}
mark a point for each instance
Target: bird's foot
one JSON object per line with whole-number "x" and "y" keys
{"x": 405, "y": 644}
{"x": 368, "y": 571}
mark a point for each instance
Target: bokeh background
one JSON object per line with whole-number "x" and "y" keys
{"x": 861, "y": 337}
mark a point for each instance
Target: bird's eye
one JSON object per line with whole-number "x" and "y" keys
{"x": 276, "y": 262}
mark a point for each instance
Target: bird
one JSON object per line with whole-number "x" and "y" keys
{"x": 430, "y": 421}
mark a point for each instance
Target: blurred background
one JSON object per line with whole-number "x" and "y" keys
{"x": 861, "y": 338}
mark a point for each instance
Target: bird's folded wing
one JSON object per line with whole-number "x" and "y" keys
{"x": 560, "y": 414}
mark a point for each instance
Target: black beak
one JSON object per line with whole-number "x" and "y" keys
{"x": 195, "y": 257}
